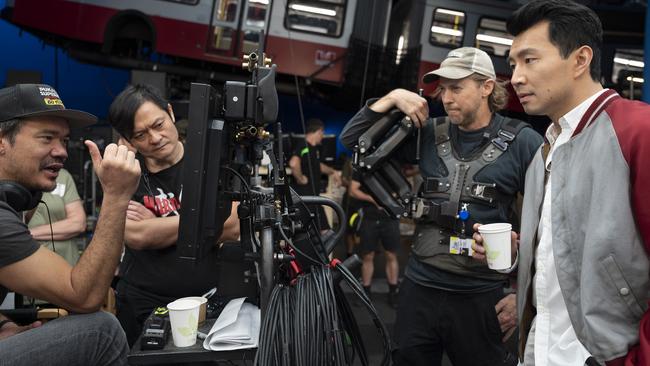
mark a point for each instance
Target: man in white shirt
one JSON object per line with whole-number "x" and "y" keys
{"x": 583, "y": 266}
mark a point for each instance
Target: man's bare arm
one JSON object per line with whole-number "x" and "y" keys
{"x": 296, "y": 170}
{"x": 70, "y": 227}
{"x": 82, "y": 288}
{"x": 231, "y": 225}
{"x": 357, "y": 193}
{"x": 154, "y": 233}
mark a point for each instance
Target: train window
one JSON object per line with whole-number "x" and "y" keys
{"x": 186, "y": 2}
{"x": 256, "y": 15}
{"x": 222, "y": 38}
{"x": 254, "y": 22}
{"x": 222, "y": 35}
{"x": 225, "y": 10}
{"x": 492, "y": 36}
{"x": 447, "y": 28}
{"x": 324, "y": 17}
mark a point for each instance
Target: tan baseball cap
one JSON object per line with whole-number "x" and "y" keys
{"x": 461, "y": 63}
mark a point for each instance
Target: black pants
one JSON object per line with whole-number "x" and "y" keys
{"x": 134, "y": 307}
{"x": 431, "y": 321}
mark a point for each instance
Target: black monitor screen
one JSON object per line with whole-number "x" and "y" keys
{"x": 204, "y": 210}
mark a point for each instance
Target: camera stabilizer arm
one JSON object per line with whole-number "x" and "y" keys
{"x": 380, "y": 172}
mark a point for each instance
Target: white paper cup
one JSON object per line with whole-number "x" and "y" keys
{"x": 184, "y": 319}
{"x": 496, "y": 240}
{"x": 202, "y": 309}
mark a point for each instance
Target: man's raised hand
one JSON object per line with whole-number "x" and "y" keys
{"x": 411, "y": 104}
{"x": 118, "y": 170}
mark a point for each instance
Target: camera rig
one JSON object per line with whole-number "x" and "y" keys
{"x": 443, "y": 200}
{"x": 226, "y": 141}
{"x": 380, "y": 172}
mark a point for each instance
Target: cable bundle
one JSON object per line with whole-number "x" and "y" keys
{"x": 349, "y": 321}
{"x": 320, "y": 337}
{"x": 277, "y": 333}
{"x": 302, "y": 325}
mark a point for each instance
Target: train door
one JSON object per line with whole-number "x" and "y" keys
{"x": 235, "y": 27}
{"x": 256, "y": 14}
{"x": 222, "y": 32}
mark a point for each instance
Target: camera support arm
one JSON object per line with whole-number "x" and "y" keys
{"x": 380, "y": 173}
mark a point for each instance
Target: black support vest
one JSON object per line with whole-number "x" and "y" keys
{"x": 447, "y": 195}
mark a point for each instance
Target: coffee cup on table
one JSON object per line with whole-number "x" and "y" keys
{"x": 184, "y": 319}
{"x": 202, "y": 309}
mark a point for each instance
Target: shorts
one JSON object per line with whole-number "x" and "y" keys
{"x": 373, "y": 230}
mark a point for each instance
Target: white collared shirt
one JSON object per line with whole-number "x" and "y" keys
{"x": 556, "y": 343}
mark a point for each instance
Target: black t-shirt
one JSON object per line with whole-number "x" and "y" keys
{"x": 370, "y": 211}
{"x": 161, "y": 271}
{"x": 16, "y": 243}
{"x": 310, "y": 165}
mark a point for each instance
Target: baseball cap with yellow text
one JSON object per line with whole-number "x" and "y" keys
{"x": 39, "y": 100}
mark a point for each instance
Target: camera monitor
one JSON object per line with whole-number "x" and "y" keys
{"x": 223, "y": 136}
{"x": 204, "y": 209}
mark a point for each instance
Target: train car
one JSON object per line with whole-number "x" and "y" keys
{"x": 212, "y": 31}
{"x": 354, "y": 47}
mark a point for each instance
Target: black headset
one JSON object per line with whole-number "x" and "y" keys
{"x": 19, "y": 197}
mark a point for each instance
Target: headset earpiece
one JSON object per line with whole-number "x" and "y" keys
{"x": 19, "y": 197}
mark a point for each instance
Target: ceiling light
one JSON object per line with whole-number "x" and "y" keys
{"x": 635, "y": 79}
{"x": 624, "y": 61}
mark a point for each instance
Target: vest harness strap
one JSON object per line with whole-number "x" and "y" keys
{"x": 460, "y": 185}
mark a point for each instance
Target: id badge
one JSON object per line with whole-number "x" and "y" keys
{"x": 460, "y": 246}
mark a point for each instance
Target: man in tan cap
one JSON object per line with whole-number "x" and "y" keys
{"x": 473, "y": 163}
{"x": 34, "y": 129}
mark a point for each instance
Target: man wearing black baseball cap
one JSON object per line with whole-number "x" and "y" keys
{"x": 473, "y": 163}
{"x": 34, "y": 128}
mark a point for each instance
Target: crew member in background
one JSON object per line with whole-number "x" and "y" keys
{"x": 350, "y": 207}
{"x": 151, "y": 272}
{"x": 306, "y": 167}
{"x": 473, "y": 163}
{"x": 60, "y": 218}
{"x": 376, "y": 226}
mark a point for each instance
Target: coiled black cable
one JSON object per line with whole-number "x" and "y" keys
{"x": 302, "y": 325}
{"x": 307, "y": 323}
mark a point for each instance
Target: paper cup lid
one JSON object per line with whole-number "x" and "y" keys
{"x": 200, "y": 299}
{"x": 183, "y": 304}
{"x": 494, "y": 228}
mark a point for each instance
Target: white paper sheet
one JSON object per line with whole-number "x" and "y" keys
{"x": 238, "y": 327}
